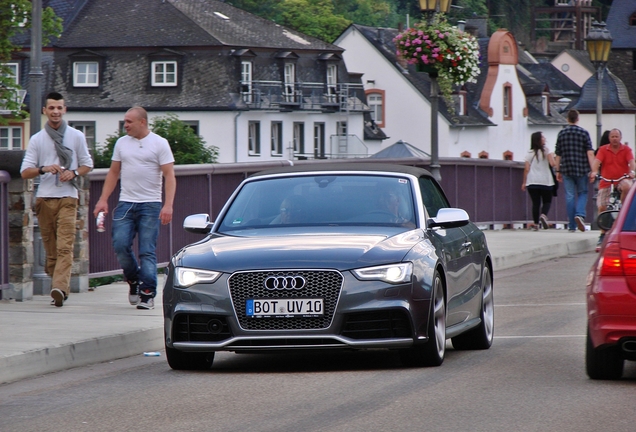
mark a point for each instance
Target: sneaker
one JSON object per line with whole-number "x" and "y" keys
{"x": 133, "y": 292}
{"x": 571, "y": 230}
{"x": 534, "y": 228}
{"x": 58, "y": 297}
{"x": 146, "y": 303}
{"x": 580, "y": 223}
{"x": 544, "y": 222}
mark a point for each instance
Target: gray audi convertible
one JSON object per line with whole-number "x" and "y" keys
{"x": 335, "y": 256}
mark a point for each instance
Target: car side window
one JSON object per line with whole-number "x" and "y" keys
{"x": 432, "y": 196}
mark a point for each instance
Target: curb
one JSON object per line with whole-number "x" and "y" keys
{"x": 54, "y": 359}
{"x": 544, "y": 253}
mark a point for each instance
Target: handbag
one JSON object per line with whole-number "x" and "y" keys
{"x": 556, "y": 183}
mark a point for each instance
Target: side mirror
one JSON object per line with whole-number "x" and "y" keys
{"x": 198, "y": 223}
{"x": 448, "y": 218}
{"x": 606, "y": 219}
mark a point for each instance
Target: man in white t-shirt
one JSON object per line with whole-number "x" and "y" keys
{"x": 141, "y": 158}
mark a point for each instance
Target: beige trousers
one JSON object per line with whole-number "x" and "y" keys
{"x": 56, "y": 217}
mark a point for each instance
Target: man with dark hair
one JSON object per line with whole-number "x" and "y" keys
{"x": 59, "y": 155}
{"x": 574, "y": 158}
{"x": 142, "y": 158}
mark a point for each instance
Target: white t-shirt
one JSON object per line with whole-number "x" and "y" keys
{"x": 539, "y": 173}
{"x": 141, "y": 160}
{"x": 41, "y": 152}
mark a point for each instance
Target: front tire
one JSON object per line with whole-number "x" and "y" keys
{"x": 180, "y": 360}
{"x": 480, "y": 337}
{"x": 432, "y": 352}
{"x": 602, "y": 363}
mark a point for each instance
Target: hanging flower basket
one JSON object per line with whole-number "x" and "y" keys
{"x": 438, "y": 47}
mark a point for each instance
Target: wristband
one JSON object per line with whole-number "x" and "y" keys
{"x": 41, "y": 170}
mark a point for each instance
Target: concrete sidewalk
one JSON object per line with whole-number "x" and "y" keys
{"x": 37, "y": 338}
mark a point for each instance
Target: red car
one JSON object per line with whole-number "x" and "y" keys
{"x": 611, "y": 296}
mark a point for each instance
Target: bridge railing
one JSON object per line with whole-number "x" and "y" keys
{"x": 489, "y": 190}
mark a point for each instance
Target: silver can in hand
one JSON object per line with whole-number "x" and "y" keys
{"x": 99, "y": 222}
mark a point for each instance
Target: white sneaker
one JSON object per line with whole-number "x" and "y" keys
{"x": 58, "y": 297}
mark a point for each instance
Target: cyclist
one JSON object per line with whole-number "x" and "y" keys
{"x": 615, "y": 160}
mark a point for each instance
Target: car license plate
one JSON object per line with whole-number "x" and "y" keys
{"x": 284, "y": 308}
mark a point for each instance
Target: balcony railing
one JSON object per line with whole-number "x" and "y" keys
{"x": 308, "y": 96}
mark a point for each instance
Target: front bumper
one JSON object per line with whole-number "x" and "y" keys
{"x": 366, "y": 314}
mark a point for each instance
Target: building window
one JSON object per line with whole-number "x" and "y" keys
{"x": 332, "y": 82}
{"x": 164, "y": 73}
{"x": 194, "y": 125}
{"x": 507, "y": 102}
{"x": 290, "y": 80}
{"x": 246, "y": 81}
{"x": 85, "y": 74}
{"x": 319, "y": 141}
{"x": 88, "y": 129}
{"x": 375, "y": 100}
{"x": 277, "y": 138}
{"x": 632, "y": 20}
{"x": 11, "y": 138}
{"x": 12, "y": 70}
{"x": 299, "y": 138}
{"x": 254, "y": 138}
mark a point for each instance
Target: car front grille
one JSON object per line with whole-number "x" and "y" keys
{"x": 200, "y": 328}
{"x": 319, "y": 284}
{"x": 385, "y": 324}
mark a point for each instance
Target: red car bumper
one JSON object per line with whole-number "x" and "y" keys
{"x": 611, "y": 310}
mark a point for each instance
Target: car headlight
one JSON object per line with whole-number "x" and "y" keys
{"x": 185, "y": 277}
{"x": 392, "y": 273}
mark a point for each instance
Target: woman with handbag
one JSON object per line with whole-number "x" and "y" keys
{"x": 538, "y": 179}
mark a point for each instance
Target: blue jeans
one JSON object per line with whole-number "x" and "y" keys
{"x": 575, "y": 197}
{"x": 142, "y": 220}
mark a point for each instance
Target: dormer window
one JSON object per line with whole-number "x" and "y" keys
{"x": 290, "y": 82}
{"x": 332, "y": 82}
{"x": 85, "y": 74}
{"x": 164, "y": 73}
{"x": 632, "y": 20}
{"x": 461, "y": 103}
{"x": 246, "y": 81}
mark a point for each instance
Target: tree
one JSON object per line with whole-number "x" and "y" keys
{"x": 15, "y": 18}
{"x": 313, "y": 17}
{"x": 187, "y": 147}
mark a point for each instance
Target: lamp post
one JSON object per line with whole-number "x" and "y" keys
{"x": 599, "y": 44}
{"x": 433, "y": 7}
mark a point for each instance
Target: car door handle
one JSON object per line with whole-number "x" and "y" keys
{"x": 467, "y": 244}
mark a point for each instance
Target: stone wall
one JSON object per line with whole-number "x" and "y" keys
{"x": 26, "y": 254}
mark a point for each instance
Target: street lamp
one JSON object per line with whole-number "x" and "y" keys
{"x": 433, "y": 7}
{"x": 599, "y": 44}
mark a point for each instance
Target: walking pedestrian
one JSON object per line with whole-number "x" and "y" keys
{"x": 574, "y": 158}
{"x": 141, "y": 158}
{"x": 537, "y": 179}
{"x": 59, "y": 155}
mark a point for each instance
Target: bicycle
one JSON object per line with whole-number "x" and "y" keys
{"x": 606, "y": 219}
{"x": 614, "y": 203}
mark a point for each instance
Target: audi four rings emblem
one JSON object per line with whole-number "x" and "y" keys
{"x": 284, "y": 282}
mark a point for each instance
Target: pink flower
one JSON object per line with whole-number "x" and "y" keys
{"x": 418, "y": 49}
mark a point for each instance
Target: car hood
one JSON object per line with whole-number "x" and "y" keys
{"x": 340, "y": 251}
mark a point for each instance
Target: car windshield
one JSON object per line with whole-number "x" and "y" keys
{"x": 322, "y": 200}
